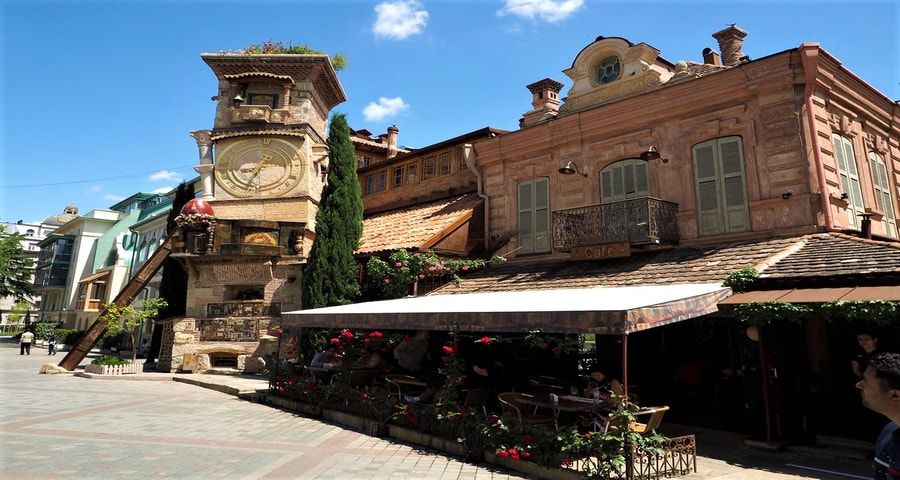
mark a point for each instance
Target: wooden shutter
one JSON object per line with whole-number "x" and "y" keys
{"x": 706, "y": 176}
{"x": 526, "y": 217}
{"x": 623, "y": 180}
{"x": 843, "y": 150}
{"x": 541, "y": 215}
{"x": 883, "y": 199}
{"x": 534, "y": 216}
{"x": 734, "y": 192}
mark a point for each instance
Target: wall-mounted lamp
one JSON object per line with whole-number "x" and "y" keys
{"x": 652, "y": 154}
{"x": 845, "y": 196}
{"x": 787, "y": 195}
{"x": 570, "y": 168}
{"x": 238, "y": 100}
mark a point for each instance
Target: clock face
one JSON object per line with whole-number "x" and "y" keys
{"x": 262, "y": 166}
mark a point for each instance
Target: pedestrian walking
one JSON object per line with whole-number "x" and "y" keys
{"x": 51, "y": 344}
{"x": 25, "y": 343}
{"x": 880, "y": 391}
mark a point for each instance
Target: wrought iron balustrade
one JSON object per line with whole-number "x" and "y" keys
{"x": 638, "y": 221}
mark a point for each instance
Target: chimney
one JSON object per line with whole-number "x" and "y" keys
{"x": 865, "y": 226}
{"x": 731, "y": 40}
{"x": 711, "y": 57}
{"x": 544, "y": 100}
{"x": 392, "y": 132}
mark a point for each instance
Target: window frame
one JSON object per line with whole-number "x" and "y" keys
{"x": 723, "y": 213}
{"x": 849, "y": 178}
{"x": 884, "y": 198}
{"x": 610, "y": 197}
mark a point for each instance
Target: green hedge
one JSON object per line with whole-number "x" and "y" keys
{"x": 110, "y": 360}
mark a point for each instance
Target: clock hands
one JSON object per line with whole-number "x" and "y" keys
{"x": 264, "y": 160}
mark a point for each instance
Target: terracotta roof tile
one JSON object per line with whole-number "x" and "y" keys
{"x": 830, "y": 254}
{"x": 698, "y": 264}
{"x": 410, "y": 227}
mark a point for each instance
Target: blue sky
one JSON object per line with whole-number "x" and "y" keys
{"x": 104, "y": 93}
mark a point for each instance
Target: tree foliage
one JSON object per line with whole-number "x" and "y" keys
{"x": 129, "y": 319}
{"x": 330, "y": 277}
{"x": 15, "y": 268}
{"x": 270, "y": 47}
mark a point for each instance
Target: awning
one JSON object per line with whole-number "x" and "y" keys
{"x": 816, "y": 295}
{"x": 95, "y": 276}
{"x": 602, "y": 310}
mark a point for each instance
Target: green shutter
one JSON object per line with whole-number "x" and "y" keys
{"x": 623, "y": 180}
{"x": 719, "y": 176}
{"x": 526, "y": 217}
{"x": 734, "y": 196}
{"x": 846, "y": 160}
{"x": 541, "y": 215}
{"x": 883, "y": 198}
{"x": 710, "y": 221}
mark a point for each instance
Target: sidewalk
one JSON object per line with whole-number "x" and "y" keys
{"x": 721, "y": 455}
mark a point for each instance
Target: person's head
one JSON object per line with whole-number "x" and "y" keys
{"x": 880, "y": 386}
{"x": 597, "y": 374}
{"x": 867, "y": 341}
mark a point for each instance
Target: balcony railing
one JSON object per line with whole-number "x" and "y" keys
{"x": 243, "y": 309}
{"x": 262, "y": 113}
{"x": 638, "y": 221}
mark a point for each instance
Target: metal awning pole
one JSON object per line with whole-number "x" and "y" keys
{"x": 625, "y": 364}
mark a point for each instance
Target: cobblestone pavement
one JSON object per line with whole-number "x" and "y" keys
{"x": 68, "y": 427}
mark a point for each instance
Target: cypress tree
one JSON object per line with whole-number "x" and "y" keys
{"x": 330, "y": 277}
{"x": 173, "y": 286}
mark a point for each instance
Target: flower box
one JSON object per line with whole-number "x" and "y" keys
{"x": 438, "y": 443}
{"x": 294, "y": 406}
{"x": 113, "y": 369}
{"x": 532, "y": 468}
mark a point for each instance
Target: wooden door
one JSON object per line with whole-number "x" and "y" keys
{"x": 784, "y": 382}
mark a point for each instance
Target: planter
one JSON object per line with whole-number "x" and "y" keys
{"x": 438, "y": 443}
{"x": 346, "y": 419}
{"x": 376, "y": 429}
{"x": 293, "y": 405}
{"x": 113, "y": 369}
{"x": 532, "y": 468}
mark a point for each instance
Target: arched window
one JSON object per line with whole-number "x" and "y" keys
{"x": 608, "y": 70}
{"x": 721, "y": 186}
{"x": 883, "y": 199}
{"x": 847, "y": 170}
{"x": 534, "y": 216}
{"x": 623, "y": 180}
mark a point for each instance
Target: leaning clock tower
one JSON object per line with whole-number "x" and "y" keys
{"x": 245, "y": 239}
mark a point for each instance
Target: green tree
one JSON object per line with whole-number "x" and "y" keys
{"x": 15, "y": 268}
{"x": 130, "y": 319}
{"x": 19, "y": 310}
{"x": 330, "y": 277}
{"x": 173, "y": 285}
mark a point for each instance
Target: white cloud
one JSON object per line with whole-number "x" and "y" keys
{"x": 399, "y": 19}
{"x": 96, "y": 188}
{"x": 386, "y": 107}
{"x": 165, "y": 175}
{"x": 548, "y": 10}
{"x": 113, "y": 198}
{"x": 163, "y": 190}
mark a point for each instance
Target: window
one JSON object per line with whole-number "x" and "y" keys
{"x": 397, "y": 176}
{"x": 363, "y": 161}
{"x": 29, "y": 233}
{"x": 883, "y": 199}
{"x": 534, "y": 216}
{"x": 623, "y": 180}
{"x": 847, "y": 170}
{"x": 608, "y": 70}
{"x": 444, "y": 164}
{"x": 430, "y": 166}
{"x": 721, "y": 187}
{"x": 262, "y": 99}
{"x": 411, "y": 174}
{"x": 376, "y": 182}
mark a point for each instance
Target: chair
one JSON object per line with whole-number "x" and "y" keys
{"x": 513, "y": 408}
{"x": 656, "y": 415}
{"x": 476, "y": 398}
{"x": 404, "y": 385}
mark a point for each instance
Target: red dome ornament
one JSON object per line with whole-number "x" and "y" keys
{"x": 197, "y": 205}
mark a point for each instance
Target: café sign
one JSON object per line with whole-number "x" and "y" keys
{"x": 603, "y": 250}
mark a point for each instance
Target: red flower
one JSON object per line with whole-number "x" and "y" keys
{"x": 526, "y": 454}
{"x": 448, "y": 350}
{"x": 502, "y": 453}
{"x": 485, "y": 340}
{"x": 398, "y": 264}
{"x": 421, "y": 276}
{"x": 512, "y": 451}
{"x": 566, "y": 463}
{"x": 556, "y": 351}
{"x": 347, "y": 334}
{"x": 465, "y": 267}
{"x": 431, "y": 268}
{"x": 376, "y": 334}
{"x": 276, "y": 331}
{"x": 588, "y": 435}
{"x": 387, "y": 281}
{"x": 367, "y": 340}
{"x": 493, "y": 419}
{"x": 365, "y": 395}
{"x": 446, "y": 269}
{"x": 335, "y": 341}
{"x": 281, "y": 390}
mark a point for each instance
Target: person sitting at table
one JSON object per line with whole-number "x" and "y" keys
{"x": 412, "y": 352}
{"x": 603, "y": 387}
{"x": 322, "y": 361}
{"x": 372, "y": 359}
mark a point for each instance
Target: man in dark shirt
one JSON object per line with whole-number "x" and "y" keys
{"x": 880, "y": 390}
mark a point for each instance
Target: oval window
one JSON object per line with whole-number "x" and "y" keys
{"x": 608, "y": 70}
